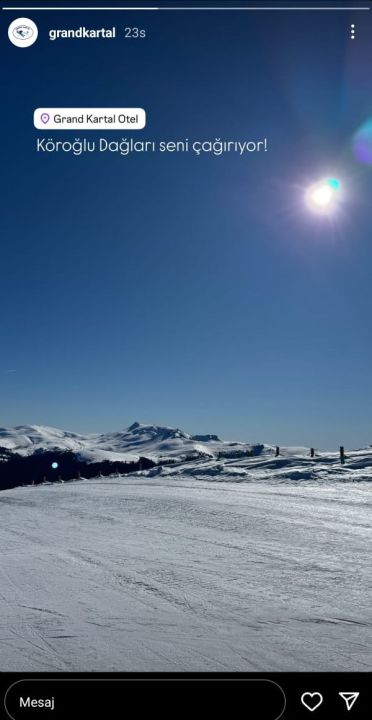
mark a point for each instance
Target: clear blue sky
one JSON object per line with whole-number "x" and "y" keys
{"x": 196, "y": 292}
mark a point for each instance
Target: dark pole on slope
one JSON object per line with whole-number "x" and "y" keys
{"x": 312, "y": 452}
{"x": 277, "y": 451}
{"x": 342, "y": 455}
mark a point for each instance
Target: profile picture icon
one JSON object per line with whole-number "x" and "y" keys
{"x": 22, "y": 32}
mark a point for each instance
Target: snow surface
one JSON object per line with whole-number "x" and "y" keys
{"x": 257, "y": 564}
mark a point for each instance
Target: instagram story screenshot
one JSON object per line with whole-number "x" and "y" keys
{"x": 185, "y": 359}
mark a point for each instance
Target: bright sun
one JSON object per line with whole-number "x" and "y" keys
{"x": 324, "y": 196}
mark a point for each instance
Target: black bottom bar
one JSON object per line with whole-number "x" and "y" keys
{"x": 274, "y": 696}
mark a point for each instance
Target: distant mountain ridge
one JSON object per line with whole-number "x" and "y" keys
{"x": 33, "y": 454}
{"x": 155, "y": 442}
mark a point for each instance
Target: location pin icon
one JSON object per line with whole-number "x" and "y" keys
{"x": 45, "y": 118}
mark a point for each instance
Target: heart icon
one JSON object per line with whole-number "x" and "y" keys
{"x": 312, "y": 700}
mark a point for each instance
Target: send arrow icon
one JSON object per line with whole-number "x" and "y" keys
{"x": 350, "y": 698}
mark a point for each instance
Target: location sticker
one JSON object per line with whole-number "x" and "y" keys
{"x": 44, "y": 117}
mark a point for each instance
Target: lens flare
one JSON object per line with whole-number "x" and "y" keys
{"x": 362, "y": 143}
{"x": 323, "y": 196}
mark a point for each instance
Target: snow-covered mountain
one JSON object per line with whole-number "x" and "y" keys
{"x": 159, "y": 444}
{"x": 220, "y": 559}
{"x": 177, "y": 453}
